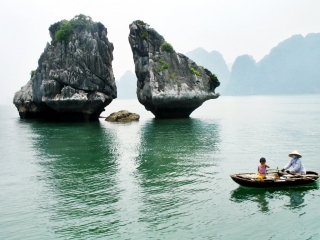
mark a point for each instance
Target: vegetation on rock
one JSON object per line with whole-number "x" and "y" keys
{"x": 167, "y": 47}
{"x": 55, "y": 27}
{"x": 141, "y": 22}
{"x": 64, "y": 32}
{"x": 172, "y": 75}
{"x": 164, "y": 65}
{"x": 80, "y": 22}
{"x": 32, "y": 73}
{"x": 213, "y": 77}
{"x": 195, "y": 71}
{"x": 145, "y": 35}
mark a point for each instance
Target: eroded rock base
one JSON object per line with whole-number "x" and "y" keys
{"x": 172, "y": 113}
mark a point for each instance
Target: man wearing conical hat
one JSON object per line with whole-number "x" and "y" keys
{"x": 295, "y": 165}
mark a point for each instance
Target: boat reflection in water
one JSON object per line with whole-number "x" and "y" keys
{"x": 264, "y": 197}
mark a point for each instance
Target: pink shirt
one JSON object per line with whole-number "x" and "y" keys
{"x": 262, "y": 169}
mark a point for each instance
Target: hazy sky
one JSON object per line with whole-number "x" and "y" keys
{"x": 231, "y": 27}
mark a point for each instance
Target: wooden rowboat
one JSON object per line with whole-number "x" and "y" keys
{"x": 274, "y": 179}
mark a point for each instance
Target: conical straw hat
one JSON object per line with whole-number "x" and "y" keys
{"x": 295, "y": 153}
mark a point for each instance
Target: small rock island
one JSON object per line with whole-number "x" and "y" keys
{"x": 74, "y": 79}
{"x": 122, "y": 116}
{"x": 170, "y": 85}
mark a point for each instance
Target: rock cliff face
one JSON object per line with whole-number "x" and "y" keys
{"x": 170, "y": 85}
{"x": 74, "y": 79}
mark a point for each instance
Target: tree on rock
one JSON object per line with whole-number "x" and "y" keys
{"x": 63, "y": 34}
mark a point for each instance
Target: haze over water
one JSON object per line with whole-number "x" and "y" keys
{"x": 160, "y": 179}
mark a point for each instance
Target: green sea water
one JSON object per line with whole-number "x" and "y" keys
{"x": 160, "y": 179}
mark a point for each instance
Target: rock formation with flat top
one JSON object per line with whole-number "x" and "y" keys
{"x": 74, "y": 79}
{"x": 170, "y": 85}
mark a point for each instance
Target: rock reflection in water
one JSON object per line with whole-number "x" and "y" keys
{"x": 176, "y": 160}
{"x": 78, "y": 168}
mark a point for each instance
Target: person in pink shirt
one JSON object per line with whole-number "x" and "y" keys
{"x": 262, "y": 168}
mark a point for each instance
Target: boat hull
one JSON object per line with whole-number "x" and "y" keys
{"x": 242, "y": 180}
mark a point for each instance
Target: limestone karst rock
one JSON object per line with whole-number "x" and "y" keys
{"x": 170, "y": 85}
{"x": 74, "y": 79}
{"x": 123, "y": 116}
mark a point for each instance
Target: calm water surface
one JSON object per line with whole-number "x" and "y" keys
{"x": 160, "y": 179}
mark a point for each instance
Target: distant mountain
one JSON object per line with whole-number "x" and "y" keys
{"x": 127, "y": 86}
{"x": 214, "y": 62}
{"x": 291, "y": 67}
{"x": 243, "y": 76}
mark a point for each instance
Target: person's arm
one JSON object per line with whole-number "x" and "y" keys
{"x": 288, "y": 165}
{"x": 267, "y": 166}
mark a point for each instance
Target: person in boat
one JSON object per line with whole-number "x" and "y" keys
{"x": 262, "y": 168}
{"x": 295, "y": 165}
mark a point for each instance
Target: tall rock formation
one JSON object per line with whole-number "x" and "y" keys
{"x": 74, "y": 79}
{"x": 170, "y": 85}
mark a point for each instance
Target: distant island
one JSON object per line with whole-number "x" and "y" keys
{"x": 127, "y": 86}
{"x": 291, "y": 67}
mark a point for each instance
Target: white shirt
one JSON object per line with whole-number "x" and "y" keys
{"x": 296, "y": 165}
